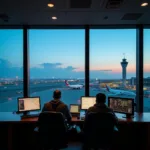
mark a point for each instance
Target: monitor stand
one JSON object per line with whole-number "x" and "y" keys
{"x": 28, "y": 115}
{"x": 25, "y": 114}
{"x": 128, "y": 116}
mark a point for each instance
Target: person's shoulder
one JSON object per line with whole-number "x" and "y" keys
{"x": 63, "y": 104}
{"x": 47, "y": 103}
{"x": 110, "y": 109}
{"x": 91, "y": 108}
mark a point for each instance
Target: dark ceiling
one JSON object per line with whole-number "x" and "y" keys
{"x": 73, "y": 12}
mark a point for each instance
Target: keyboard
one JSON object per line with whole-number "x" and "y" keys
{"x": 30, "y": 116}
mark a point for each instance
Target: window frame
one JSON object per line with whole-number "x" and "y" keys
{"x": 139, "y": 52}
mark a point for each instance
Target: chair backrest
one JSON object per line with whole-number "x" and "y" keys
{"x": 51, "y": 120}
{"x": 99, "y": 127}
{"x": 52, "y": 128}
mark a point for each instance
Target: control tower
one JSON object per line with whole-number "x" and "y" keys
{"x": 124, "y": 64}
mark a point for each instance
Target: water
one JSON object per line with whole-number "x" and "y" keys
{"x": 8, "y": 95}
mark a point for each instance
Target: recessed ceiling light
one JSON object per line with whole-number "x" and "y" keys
{"x": 54, "y": 17}
{"x": 50, "y": 5}
{"x": 144, "y": 4}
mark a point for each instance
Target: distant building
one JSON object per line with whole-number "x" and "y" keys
{"x": 133, "y": 81}
{"x": 146, "y": 81}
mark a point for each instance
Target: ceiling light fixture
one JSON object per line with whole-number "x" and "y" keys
{"x": 144, "y": 4}
{"x": 50, "y": 5}
{"x": 54, "y": 17}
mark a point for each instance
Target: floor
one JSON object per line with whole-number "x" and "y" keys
{"x": 74, "y": 146}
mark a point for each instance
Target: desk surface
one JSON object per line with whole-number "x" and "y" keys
{"x": 10, "y": 117}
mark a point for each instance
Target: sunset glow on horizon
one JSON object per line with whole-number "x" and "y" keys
{"x": 62, "y": 52}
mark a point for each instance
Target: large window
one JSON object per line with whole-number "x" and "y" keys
{"x": 146, "y": 70}
{"x": 11, "y": 68}
{"x": 57, "y": 62}
{"x": 113, "y": 62}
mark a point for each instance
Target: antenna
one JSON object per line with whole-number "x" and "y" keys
{"x": 124, "y": 55}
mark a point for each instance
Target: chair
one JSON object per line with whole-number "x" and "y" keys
{"x": 99, "y": 130}
{"x": 52, "y": 130}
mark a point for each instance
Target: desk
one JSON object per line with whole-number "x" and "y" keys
{"x": 9, "y": 117}
{"x": 138, "y": 118}
{"x": 12, "y": 122}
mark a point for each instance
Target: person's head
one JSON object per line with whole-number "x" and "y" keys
{"x": 57, "y": 94}
{"x": 100, "y": 98}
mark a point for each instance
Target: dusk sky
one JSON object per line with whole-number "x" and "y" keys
{"x": 60, "y": 53}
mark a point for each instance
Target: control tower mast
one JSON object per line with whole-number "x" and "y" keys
{"x": 124, "y": 64}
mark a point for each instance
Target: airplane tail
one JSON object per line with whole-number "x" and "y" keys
{"x": 108, "y": 88}
{"x": 66, "y": 82}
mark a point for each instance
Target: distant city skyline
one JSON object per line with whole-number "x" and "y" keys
{"x": 55, "y": 53}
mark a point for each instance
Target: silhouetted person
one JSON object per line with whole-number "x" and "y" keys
{"x": 101, "y": 107}
{"x": 100, "y": 124}
{"x": 57, "y": 105}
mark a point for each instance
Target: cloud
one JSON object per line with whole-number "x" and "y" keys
{"x": 70, "y": 68}
{"x": 50, "y": 65}
{"x": 8, "y": 71}
{"x": 44, "y": 70}
{"x": 50, "y": 70}
{"x": 5, "y": 64}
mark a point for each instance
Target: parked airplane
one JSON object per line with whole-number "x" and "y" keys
{"x": 119, "y": 92}
{"x": 75, "y": 86}
{"x": 97, "y": 87}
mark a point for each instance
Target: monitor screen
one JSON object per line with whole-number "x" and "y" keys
{"x": 74, "y": 108}
{"x": 87, "y": 102}
{"x": 29, "y": 104}
{"x": 121, "y": 105}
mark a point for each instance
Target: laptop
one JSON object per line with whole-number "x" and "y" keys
{"x": 75, "y": 109}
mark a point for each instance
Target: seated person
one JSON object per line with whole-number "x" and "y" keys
{"x": 101, "y": 107}
{"x": 89, "y": 135}
{"x": 57, "y": 105}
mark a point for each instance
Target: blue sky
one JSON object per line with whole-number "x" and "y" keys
{"x": 60, "y": 53}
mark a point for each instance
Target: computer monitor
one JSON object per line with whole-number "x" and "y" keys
{"x": 122, "y": 105}
{"x": 87, "y": 102}
{"x": 74, "y": 108}
{"x": 29, "y": 104}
